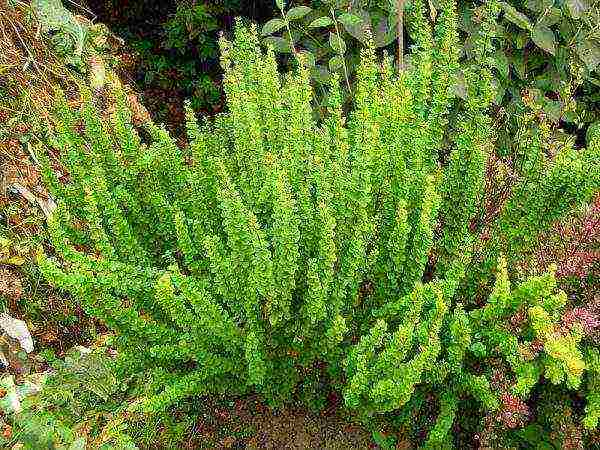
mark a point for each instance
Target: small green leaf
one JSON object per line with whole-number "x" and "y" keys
{"x": 280, "y": 4}
{"x": 279, "y": 44}
{"x": 518, "y": 18}
{"x": 589, "y": 52}
{"x": 576, "y": 8}
{"x": 324, "y": 21}
{"x": 349, "y": 20}
{"x": 336, "y": 63}
{"x": 478, "y": 349}
{"x": 593, "y": 130}
{"x": 337, "y": 43}
{"x": 307, "y": 57}
{"x": 272, "y": 26}
{"x": 298, "y": 12}
{"x": 544, "y": 38}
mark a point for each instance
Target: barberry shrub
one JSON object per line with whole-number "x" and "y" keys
{"x": 277, "y": 244}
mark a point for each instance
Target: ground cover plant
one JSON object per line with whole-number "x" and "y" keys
{"x": 280, "y": 252}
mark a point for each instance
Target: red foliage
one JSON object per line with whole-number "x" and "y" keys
{"x": 588, "y": 316}
{"x": 514, "y": 412}
{"x": 578, "y": 252}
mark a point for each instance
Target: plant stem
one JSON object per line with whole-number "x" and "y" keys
{"x": 337, "y": 32}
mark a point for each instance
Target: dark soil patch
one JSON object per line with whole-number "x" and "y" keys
{"x": 249, "y": 424}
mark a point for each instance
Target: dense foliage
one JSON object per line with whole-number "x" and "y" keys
{"x": 280, "y": 247}
{"x": 171, "y": 48}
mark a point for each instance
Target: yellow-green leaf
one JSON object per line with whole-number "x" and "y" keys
{"x": 321, "y": 22}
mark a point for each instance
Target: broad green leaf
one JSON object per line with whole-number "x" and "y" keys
{"x": 576, "y": 8}
{"x": 500, "y": 91}
{"x": 279, "y": 44}
{"x": 349, "y": 20}
{"x": 531, "y": 434}
{"x": 566, "y": 29}
{"x": 589, "y": 52}
{"x": 298, "y": 12}
{"x": 337, "y": 43}
{"x": 384, "y": 29}
{"x": 324, "y": 21}
{"x": 272, "y": 26}
{"x": 544, "y": 38}
{"x": 594, "y": 81}
{"x": 518, "y": 18}
{"x": 359, "y": 30}
{"x": 336, "y": 63}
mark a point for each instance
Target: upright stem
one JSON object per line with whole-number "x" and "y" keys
{"x": 400, "y": 33}
{"x": 337, "y": 32}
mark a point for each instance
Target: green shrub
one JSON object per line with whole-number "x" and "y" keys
{"x": 277, "y": 242}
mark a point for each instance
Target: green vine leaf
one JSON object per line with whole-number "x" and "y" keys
{"x": 358, "y": 30}
{"x": 272, "y": 26}
{"x": 298, "y": 12}
{"x": 337, "y": 43}
{"x": 324, "y": 21}
{"x": 518, "y": 18}
{"x": 544, "y": 38}
{"x": 279, "y": 44}
{"x": 350, "y": 20}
